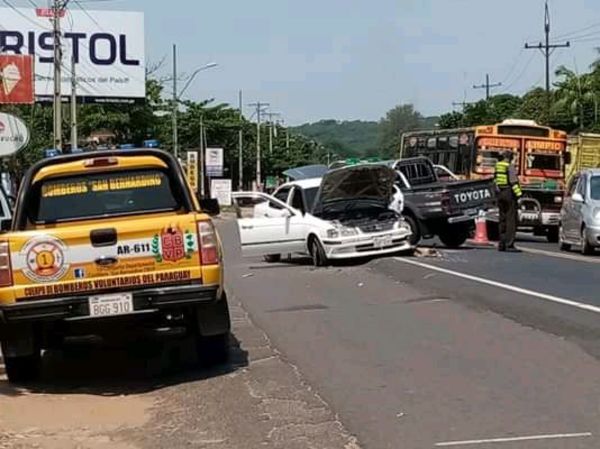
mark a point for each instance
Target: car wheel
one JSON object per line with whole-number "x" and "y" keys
{"x": 319, "y": 258}
{"x": 552, "y": 235}
{"x": 24, "y": 368}
{"x": 586, "y": 248}
{"x": 415, "y": 238}
{"x": 272, "y": 258}
{"x": 454, "y": 236}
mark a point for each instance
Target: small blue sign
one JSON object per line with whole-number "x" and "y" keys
{"x": 79, "y": 273}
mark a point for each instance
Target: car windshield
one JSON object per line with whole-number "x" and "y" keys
{"x": 102, "y": 195}
{"x": 595, "y": 188}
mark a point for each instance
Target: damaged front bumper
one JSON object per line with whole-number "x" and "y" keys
{"x": 365, "y": 245}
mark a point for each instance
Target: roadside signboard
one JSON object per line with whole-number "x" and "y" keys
{"x": 220, "y": 189}
{"x": 192, "y": 169}
{"x": 106, "y": 46}
{"x": 16, "y": 79}
{"x": 14, "y": 134}
{"x": 214, "y": 162}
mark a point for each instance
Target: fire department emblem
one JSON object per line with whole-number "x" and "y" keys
{"x": 173, "y": 244}
{"x": 45, "y": 259}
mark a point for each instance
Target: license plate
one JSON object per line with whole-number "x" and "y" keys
{"x": 111, "y": 305}
{"x": 529, "y": 216}
{"x": 382, "y": 242}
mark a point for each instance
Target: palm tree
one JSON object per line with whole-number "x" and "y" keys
{"x": 575, "y": 93}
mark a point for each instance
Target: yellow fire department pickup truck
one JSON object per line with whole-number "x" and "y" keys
{"x": 107, "y": 244}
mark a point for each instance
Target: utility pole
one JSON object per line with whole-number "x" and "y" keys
{"x": 74, "y": 138}
{"x": 547, "y": 49}
{"x": 241, "y": 147}
{"x": 462, "y": 104}
{"x": 175, "y": 111}
{"x": 487, "y": 86}
{"x": 57, "y": 7}
{"x": 271, "y": 129}
{"x": 202, "y": 150}
{"x": 260, "y": 108}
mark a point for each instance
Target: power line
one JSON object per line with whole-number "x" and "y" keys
{"x": 520, "y": 76}
{"x": 29, "y": 19}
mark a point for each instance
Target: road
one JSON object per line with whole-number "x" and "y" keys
{"x": 470, "y": 348}
{"x": 467, "y": 348}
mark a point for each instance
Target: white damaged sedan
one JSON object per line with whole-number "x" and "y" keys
{"x": 346, "y": 214}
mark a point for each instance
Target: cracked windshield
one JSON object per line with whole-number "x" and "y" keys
{"x": 299, "y": 225}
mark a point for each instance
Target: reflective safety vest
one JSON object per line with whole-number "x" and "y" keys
{"x": 501, "y": 177}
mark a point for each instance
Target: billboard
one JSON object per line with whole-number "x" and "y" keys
{"x": 214, "y": 162}
{"x": 107, "y": 48}
{"x": 14, "y": 134}
{"x": 16, "y": 79}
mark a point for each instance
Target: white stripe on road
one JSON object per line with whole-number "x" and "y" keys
{"x": 541, "y": 252}
{"x": 512, "y": 288}
{"x": 514, "y": 439}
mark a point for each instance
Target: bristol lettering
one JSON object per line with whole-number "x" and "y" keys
{"x": 102, "y": 49}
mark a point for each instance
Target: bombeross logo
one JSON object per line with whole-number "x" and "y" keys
{"x": 45, "y": 259}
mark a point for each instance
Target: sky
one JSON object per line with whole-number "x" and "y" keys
{"x": 356, "y": 59}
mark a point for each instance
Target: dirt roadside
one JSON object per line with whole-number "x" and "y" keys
{"x": 110, "y": 400}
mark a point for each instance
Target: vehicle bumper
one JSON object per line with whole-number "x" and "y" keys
{"x": 592, "y": 233}
{"x": 367, "y": 246}
{"x": 77, "y": 308}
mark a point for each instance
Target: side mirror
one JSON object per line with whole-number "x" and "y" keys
{"x": 210, "y": 206}
{"x": 5, "y": 225}
{"x": 577, "y": 198}
{"x": 568, "y": 159}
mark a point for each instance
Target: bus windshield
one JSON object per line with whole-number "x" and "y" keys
{"x": 550, "y": 162}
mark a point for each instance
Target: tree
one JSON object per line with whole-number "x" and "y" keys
{"x": 452, "y": 120}
{"x": 576, "y": 96}
{"x": 397, "y": 121}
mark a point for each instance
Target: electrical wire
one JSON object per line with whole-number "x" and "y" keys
{"x": 29, "y": 19}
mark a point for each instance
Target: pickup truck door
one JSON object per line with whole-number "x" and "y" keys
{"x": 262, "y": 235}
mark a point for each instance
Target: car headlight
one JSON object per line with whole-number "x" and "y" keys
{"x": 348, "y": 232}
{"x": 333, "y": 233}
{"x": 558, "y": 199}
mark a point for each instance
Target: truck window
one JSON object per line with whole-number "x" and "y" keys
{"x": 102, "y": 195}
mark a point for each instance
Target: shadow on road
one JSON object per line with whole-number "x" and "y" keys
{"x": 134, "y": 368}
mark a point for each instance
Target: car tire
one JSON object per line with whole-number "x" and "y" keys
{"x": 23, "y": 369}
{"x": 454, "y": 236}
{"x": 586, "y": 248}
{"x": 553, "y": 235}
{"x": 272, "y": 258}
{"x": 213, "y": 350}
{"x": 317, "y": 253}
{"x": 415, "y": 238}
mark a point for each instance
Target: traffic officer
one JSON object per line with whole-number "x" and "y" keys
{"x": 509, "y": 192}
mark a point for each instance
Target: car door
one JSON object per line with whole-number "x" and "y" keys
{"x": 578, "y": 207}
{"x": 262, "y": 235}
{"x": 567, "y": 215}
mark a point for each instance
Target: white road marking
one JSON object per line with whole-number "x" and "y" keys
{"x": 512, "y": 288}
{"x": 541, "y": 252}
{"x": 514, "y": 439}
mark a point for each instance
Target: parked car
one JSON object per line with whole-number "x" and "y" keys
{"x": 433, "y": 207}
{"x": 346, "y": 214}
{"x": 580, "y": 214}
{"x": 109, "y": 245}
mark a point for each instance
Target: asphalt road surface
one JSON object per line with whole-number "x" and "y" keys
{"x": 466, "y": 348}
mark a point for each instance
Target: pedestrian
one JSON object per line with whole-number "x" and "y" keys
{"x": 509, "y": 192}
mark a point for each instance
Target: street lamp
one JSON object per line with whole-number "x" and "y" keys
{"x": 177, "y": 96}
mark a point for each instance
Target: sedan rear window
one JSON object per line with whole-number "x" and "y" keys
{"x": 102, "y": 195}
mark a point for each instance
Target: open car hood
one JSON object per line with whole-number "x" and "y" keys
{"x": 306, "y": 172}
{"x": 368, "y": 183}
